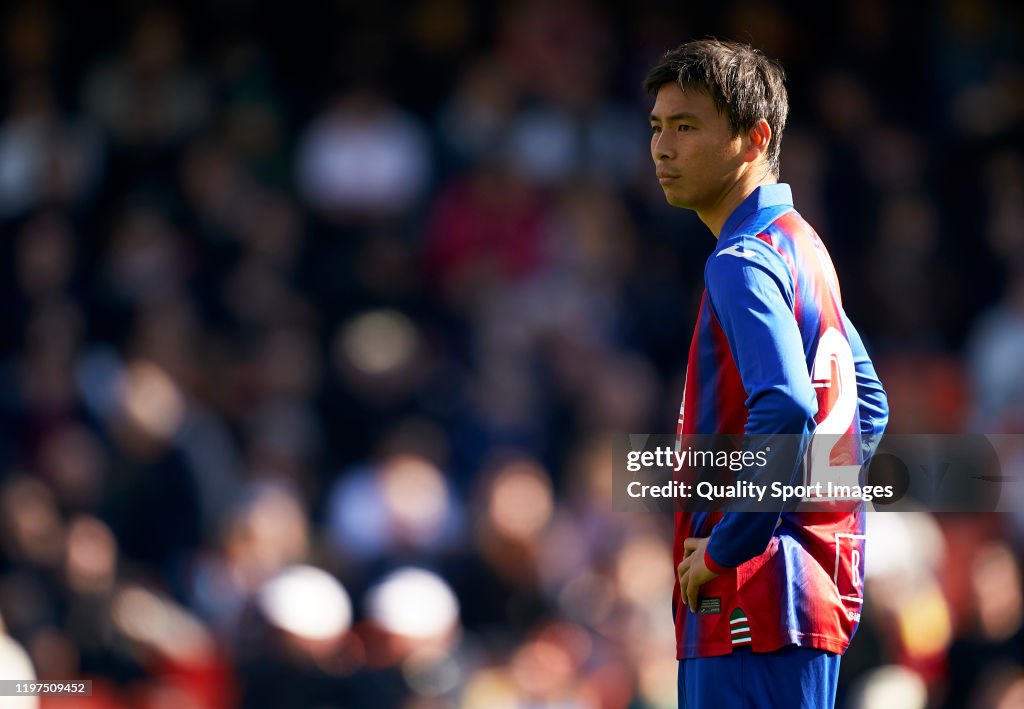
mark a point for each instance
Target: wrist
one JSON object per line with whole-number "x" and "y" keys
{"x": 712, "y": 565}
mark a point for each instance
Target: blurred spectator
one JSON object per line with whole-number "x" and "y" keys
{"x": 15, "y": 665}
{"x": 401, "y": 508}
{"x": 46, "y": 256}
{"x": 994, "y": 357}
{"x": 363, "y": 158}
{"x": 46, "y": 159}
{"x": 302, "y": 657}
{"x": 903, "y": 266}
{"x": 474, "y": 118}
{"x": 147, "y": 97}
{"x": 485, "y": 229}
{"x": 978, "y": 72}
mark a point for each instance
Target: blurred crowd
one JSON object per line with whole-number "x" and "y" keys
{"x": 317, "y": 320}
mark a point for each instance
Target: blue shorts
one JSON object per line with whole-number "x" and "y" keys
{"x": 790, "y": 678}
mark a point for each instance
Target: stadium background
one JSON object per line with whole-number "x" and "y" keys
{"x": 367, "y": 286}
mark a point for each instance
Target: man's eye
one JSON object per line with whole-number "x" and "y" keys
{"x": 655, "y": 129}
{"x": 683, "y": 127}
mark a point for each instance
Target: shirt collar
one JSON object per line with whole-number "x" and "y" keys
{"x": 763, "y": 197}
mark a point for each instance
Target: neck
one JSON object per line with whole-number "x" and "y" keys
{"x": 715, "y": 215}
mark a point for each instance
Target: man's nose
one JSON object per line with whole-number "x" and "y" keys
{"x": 661, "y": 147}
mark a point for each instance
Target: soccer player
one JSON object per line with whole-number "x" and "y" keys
{"x": 765, "y": 603}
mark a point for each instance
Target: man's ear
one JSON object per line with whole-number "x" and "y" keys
{"x": 760, "y": 135}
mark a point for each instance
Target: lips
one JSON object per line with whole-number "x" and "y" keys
{"x": 665, "y": 178}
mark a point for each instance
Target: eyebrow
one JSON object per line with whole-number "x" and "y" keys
{"x": 676, "y": 117}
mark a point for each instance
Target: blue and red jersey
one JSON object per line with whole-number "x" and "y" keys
{"x": 773, "y": 352}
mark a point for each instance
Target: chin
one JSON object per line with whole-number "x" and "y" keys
{"x": 676, "y": 200}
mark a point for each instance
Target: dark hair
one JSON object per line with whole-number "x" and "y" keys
{"x": 744, "y": 84}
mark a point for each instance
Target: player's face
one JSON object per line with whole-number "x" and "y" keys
{"x": 696, "y": 156}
